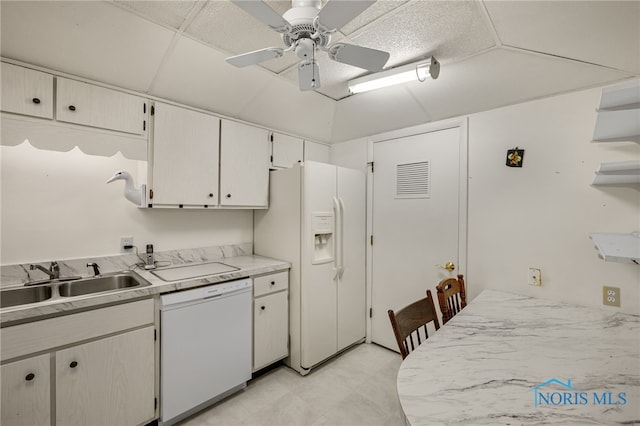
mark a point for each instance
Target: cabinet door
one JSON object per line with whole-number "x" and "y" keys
{"x": 244, "y": 165}
{"x": 26, "y": 390}
{"x": 108, "y": 381}
{"x": 95, "y": 106}
{"x": 285, "y": 150}
{"x": 26, "y": 91}
{"x": 185, "y": 157}
{"x": 270, "y": 329}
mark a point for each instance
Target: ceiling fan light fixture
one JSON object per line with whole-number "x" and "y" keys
{"x": 411, "y": 72}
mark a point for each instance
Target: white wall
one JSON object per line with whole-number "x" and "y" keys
{"x": 542, "y": 214}
{"x": 56, "y": 205}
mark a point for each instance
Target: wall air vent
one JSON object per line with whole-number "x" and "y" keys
{"x": 413, "y": 180}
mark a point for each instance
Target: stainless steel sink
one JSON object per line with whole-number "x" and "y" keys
{"x": 24, "y": 295}
{"x": 119, "y": 281}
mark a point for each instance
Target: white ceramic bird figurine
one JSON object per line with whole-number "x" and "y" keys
{"x": 135, "y": 195}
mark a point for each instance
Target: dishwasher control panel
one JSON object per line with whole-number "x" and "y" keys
{"x": 206, "y": 292}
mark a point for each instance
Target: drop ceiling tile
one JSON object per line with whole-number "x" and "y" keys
{"x": 600, "y": 32}
{"x": 370, "y": 14}
{"x": 448, "y": 30}
{"x": 230, "y": 29}
{"x": 376, "y": 112}
{"x": 196, "y": 75}
{"x": 95, "y": 40}
{"x": 169, "y": 13}
{"x": 504, "y": 77}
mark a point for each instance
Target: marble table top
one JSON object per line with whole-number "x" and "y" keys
{"x": 515, "y": 360}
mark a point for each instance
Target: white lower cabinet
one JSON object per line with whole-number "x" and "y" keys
{"x": 26, "y": 392}
{"x": 270, "y": 319}
{"x": 107, "y": 382}
{"x": 98, "y": 368}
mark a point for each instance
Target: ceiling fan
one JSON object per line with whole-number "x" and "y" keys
{"x": 306, "y": 28}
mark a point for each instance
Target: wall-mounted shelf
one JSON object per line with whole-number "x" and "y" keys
{"x": 618, "y": 173}
{"x": 619, "y": 114}
{"x": 623, "y": 248}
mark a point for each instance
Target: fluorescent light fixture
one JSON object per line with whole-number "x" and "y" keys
{"x": 412, "y": 72}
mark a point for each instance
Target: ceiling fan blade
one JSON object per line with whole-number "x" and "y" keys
{"x": 260, "y": 10}
{"x": 358, "y": 56}
{"x": 309, "y": 75}
{"x": 336, "y": 13}
{"x": 255, "y": 57}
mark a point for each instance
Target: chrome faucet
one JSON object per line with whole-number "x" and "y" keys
{"x": 53, "y": 271}
{"x": 96, "y": 268}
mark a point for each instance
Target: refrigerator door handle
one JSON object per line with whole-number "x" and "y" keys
{"x": 336, "y": 241}
{"x": 341, "y": 235}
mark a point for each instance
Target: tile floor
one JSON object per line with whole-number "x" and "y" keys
{"x": 356, "y": 388}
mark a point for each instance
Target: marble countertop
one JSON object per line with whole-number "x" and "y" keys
{"x": 515, "y": 360}
{"x": 248, "y": 265}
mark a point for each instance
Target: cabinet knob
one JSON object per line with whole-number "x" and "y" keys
{"x": 228, "y": 195}
{"x": 36, "y": 100}
{"x": 262, "y": 307}
{"x": 210, "y": 195}
{"x": 273, "y": 283}
{"x": 29, "y": 377}
{"x": 72, "y": 108}
{"x": 73, "y": 364}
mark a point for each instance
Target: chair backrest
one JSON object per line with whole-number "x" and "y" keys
{"x": 451, "y": 297}
{"x": 407, "y": 323}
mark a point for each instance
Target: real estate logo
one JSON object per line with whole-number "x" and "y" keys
{"x": 568, "y": 395}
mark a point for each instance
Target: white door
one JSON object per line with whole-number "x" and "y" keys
{"x": 318, "y": 293}
{"x": 351, "y": 193}
{"x": 415, "y": 221}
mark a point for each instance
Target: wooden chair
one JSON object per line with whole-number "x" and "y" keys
{"x": 451, "y": 297}
{"x": 406, "y": 323}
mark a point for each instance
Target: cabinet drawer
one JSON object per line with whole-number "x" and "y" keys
{"x": 95, "y": 106}
{"x": 42, "y": 335}
{"x": 26, "y": 91}
{"x": 270, "y": 283}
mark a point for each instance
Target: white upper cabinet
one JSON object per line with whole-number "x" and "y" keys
{"x": 95, "y": 106}
{"x": 285, "y": 150}
{"x": 185, "y": 157}
{"x": 244, "y": 165}
{"x": 27, "y": 92}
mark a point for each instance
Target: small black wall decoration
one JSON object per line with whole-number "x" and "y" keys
{"x": 515, "y": 157}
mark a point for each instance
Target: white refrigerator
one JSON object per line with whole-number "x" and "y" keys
{"x": 316, "y": 221}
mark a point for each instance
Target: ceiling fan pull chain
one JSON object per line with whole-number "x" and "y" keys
{"x": 313, "y": 68}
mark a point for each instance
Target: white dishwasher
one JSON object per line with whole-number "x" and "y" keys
{"x": 205, "y": 347}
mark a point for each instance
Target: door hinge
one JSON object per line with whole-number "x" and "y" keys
{"x": 271, "y": 137}
{"x": 370, "y": 312}
{"x": 144, "y": 108}
{"x": 155, "y": 334}
{"x": 371, "y": 240}
{"x": 370, "y": 163}
{"x": 151, "y": 194}
{"x": 153, "y": 110}
{"x": 155, "y": 403}
{"x": 271, "y": 159}
{"x": 144, "y": 125}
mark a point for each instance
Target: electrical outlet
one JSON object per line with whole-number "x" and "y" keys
{"x": 124, "y": 242}
{"x": 611, "y": 296}
{"x": 534, "y": 277}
